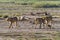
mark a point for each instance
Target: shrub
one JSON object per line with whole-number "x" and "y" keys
{"x": 23, "y": 3}
{"x": 0, "y": 15}
{"x": 6, "y": 16}
{"x": 27, "y": 3}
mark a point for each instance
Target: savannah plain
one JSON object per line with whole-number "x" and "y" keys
{"x": 26, "y": 30}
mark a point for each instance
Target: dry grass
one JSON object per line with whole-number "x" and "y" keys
{"x": 34, "y": 36}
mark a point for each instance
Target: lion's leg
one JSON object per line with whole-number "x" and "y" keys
{"x": 40, "y": 25}
{"x": 16, "y": 23}
{"x": 50, "y": 24}
{"x": 10, "y": 25}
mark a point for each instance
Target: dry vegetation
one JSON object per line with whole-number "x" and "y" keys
{"x": 34, "y": 36}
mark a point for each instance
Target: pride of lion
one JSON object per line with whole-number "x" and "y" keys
{"x": 45, "y": 21}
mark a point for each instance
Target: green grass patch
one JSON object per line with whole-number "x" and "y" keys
{"x": 36, "y": 3}
{"x": 46, "y": 4}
